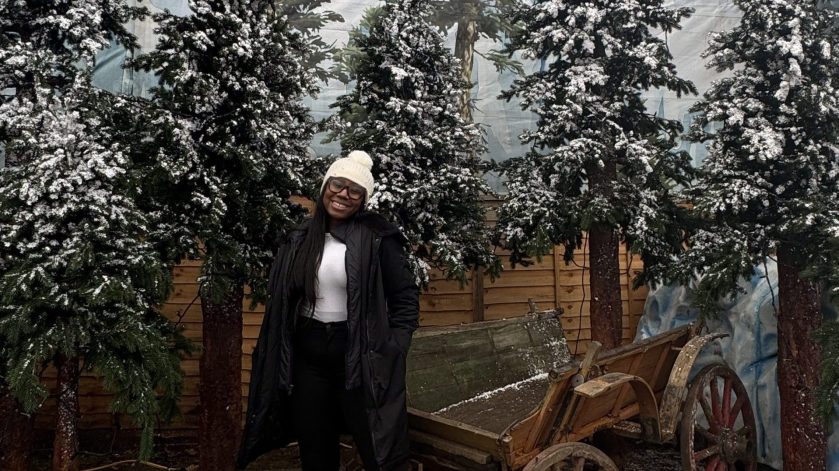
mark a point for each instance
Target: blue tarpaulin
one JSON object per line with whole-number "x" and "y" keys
{"x": 751, "y": 348}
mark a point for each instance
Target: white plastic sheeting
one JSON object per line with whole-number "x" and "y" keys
{"x": 751, "y": 348}
{"x": 502, "y": 120}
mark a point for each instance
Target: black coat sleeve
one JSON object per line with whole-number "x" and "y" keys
{"x": 401, "y": 292}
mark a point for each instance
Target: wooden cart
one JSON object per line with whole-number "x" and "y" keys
{"x": 639, "y": 391}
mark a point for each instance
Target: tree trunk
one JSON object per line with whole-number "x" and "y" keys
{"x": 220, "y": 389}
{"x": 606, "y": 308}
{"x": 16, "y": 433}
{"x": 464, "y": 50}
{"x": 802, "y": 435}
{"x": 65, "y": 447}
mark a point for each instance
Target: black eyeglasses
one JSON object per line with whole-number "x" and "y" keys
{"x": 354, "y": 191}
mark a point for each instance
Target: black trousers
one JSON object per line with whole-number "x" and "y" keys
{"x": 322, "y": 406}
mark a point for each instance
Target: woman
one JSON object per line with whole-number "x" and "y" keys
{"x": 331, "y": 352}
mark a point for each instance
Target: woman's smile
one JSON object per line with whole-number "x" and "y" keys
{"x": 339, "y": 205}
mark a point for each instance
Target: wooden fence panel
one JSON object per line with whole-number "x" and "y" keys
{"x": 548, "y": 281}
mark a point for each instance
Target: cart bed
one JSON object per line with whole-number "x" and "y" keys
{"x": 467, "y": 384}
{"x": 495, "y": 410}
{"x": 449, "y": 365}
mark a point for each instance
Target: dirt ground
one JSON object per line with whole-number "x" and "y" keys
{"x": 182, "y": 457}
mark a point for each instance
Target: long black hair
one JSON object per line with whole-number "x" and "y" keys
{"x": 304, "y": 269}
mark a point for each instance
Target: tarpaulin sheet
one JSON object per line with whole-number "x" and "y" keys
{"x": 751, "y": 349}
{"x": 503, "y": 120}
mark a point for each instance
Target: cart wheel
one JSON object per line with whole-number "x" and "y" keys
{"x": 571, "y": 457}
{"x": 718, "y": 425}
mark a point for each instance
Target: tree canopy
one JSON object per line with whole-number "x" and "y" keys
{"x": 404, "y": 111}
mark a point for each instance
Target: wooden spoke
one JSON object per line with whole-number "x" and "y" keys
{"x": 709, "y": 415}
{"x": 736, "y": 409}
{"x": 707, "y": 453}
{"x": 707, "y": 435}
{"x": 718, "y": 397}
{"x": 579, "y": 463}
{"x": 715, "y": 399}
{"x": 726, "y": 401}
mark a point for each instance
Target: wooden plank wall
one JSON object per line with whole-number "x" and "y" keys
{"x": 549, "y": 282}
{"x": 573, "y": 296}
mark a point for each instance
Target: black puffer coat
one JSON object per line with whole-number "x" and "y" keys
{"x": 382, "y": 313}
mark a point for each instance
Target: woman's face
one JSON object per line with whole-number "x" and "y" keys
{"x": 342, "y": 198}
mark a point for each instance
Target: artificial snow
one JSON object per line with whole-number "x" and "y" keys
{"x": 488, "y": 394}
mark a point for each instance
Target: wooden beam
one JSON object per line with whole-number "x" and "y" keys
{"x": 570, "y": 412}
{"x": 448, "y": 446}
{"x": 477, "y": 295}
{"x": 557, "y": 264}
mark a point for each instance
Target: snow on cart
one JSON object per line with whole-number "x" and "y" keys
{"x": 507, "y": 395}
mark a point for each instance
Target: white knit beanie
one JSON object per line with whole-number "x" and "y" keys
{"x": 355, "y": 167}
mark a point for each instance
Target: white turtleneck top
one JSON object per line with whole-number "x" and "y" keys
{"x": 331, "y": 291}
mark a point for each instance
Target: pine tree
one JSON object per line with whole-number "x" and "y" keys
{"x": 230, "y": 132}
{"x": 770, "y": 186}
{"x": 474, "y": 19}
{"x": 404, "y": 111}
{"x": 79, "y": 279}
{"x": 599, "y": 162}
